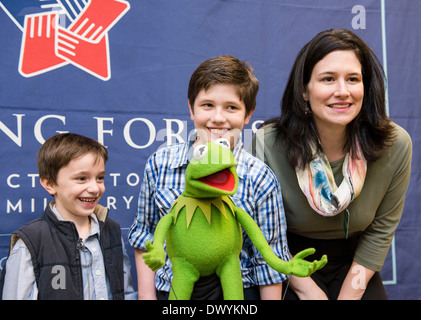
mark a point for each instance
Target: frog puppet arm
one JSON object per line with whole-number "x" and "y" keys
{"x": 155, "y": 257}
{"x": 296, "y": 266}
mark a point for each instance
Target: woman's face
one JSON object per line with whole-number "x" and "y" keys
{"x": 335, "y": 90}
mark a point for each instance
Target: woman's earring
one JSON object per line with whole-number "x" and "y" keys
{"x": 308, "y": 109}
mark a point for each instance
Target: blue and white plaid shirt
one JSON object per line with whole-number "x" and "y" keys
{"x": 258, "y": 193}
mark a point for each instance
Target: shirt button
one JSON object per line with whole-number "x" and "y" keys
{"x": 98, "y": 272}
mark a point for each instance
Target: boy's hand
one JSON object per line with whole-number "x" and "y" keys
{"x": 155, "y": 257}
{"x": 302, "y": 268}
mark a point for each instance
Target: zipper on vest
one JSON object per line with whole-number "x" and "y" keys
{"x": 80, "y": 246}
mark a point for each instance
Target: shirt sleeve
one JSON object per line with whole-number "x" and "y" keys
{"x": 271, "y": 219}
{"x": 147, "y": 218}
{"x": 19, "y": 282}
{"x": 376, "y": 239}
{"x": 268, "y": 213}
{"x": 129, "y": 292}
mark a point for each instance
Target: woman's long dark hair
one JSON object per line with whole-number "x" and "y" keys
{"x": 372, "y": 127}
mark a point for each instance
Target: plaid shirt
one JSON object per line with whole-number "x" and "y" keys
{"x": 258, "y": 193}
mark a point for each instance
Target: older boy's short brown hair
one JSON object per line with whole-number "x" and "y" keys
{"x": 225, "y": 70}
{"x": 60, "y": 149}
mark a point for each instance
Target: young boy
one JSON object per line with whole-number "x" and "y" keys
{"x": 73, "y": 251}
{"x": 221, "y": 98}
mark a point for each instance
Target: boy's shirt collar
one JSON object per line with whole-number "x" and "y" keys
{"x": 94, "y": 229}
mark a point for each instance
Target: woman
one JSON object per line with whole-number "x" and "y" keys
{"x": 344, "y": 166}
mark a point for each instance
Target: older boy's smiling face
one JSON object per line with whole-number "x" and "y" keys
{"x": 219, "y": 113}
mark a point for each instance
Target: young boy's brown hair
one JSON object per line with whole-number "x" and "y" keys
{"x": 59, "y": 150}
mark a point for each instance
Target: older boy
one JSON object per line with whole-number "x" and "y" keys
{"x": 221, "y": 98}
{"x": 73, "y": 251}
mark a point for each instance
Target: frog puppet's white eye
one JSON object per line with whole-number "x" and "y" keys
{"x": 200, "y": 151}
{"x": 223, "y": 143}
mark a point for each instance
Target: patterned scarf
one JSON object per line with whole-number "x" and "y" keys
{"x": 317, "y": 182}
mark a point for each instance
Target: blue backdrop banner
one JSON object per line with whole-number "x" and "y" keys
{"x": 117, "y": 71}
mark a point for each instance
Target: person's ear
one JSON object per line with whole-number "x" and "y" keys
{"x": 48, "y": 185}
{"x": 248, "y": 117}
{"x": 191, "y": 111}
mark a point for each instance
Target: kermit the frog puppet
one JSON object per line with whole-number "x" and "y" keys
{"x": 203, "y": 229}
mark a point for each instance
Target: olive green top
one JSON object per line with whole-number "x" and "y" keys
{"x": 375, "y": 213}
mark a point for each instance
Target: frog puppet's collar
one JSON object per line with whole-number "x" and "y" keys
{"x": 204, "y": 204}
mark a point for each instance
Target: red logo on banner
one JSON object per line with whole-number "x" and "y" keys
{"x": 46, "y": 45}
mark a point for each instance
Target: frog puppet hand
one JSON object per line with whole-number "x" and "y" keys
{"x": 302, "y": 268}
{"x": 155, "y": 257}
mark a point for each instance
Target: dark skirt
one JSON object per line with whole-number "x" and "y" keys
{"x": 340, "y": 254}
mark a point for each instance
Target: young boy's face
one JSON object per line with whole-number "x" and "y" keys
{"x": 79, "y": 186}
{"x": 219, "y": 113}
